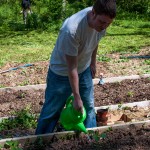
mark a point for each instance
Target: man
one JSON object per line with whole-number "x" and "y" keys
{"x": 73, "y": 64}
{"x": 26, "y": 8}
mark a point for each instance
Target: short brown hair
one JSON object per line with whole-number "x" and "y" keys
{"x": 106, "y": 7}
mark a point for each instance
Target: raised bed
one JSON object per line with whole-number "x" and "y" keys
{"x": 120, "y": 124}
{"x": 64, "y": 135}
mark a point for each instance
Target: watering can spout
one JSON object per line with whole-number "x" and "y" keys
{"x": 71, "y": 119}
{"x": 80, "y": 127}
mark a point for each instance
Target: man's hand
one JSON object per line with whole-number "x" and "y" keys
{"x": 78, "y": 104}
{"x": 93, "y": 70}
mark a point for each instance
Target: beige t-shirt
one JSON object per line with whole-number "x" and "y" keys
{"x": 76, "y": 38}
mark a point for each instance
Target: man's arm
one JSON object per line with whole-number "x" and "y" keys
{"x": 72, "y": 63}
{"x": 93, "y": 62}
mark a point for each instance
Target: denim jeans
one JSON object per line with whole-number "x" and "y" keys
{"x": 57, "y": 91}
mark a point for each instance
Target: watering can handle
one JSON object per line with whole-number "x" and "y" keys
{"x": 69, "y": 100}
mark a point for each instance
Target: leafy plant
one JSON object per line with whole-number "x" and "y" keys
{"x": 119, "y": 106}
{"x": 126, "y": 108}
{"x": 103, "y": 58}
{"x": 130, "y": 94}
{"x": 147, "y": 62}
{"x": 2, "y": 86}
{"x": 96, "y": 135}
{"x": 13, "y": 145}
{"x": 23, "y": 119}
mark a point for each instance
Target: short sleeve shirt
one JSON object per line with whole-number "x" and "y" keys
{"x": 75, "y": 38}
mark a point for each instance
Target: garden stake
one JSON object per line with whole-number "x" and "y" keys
{"x": 11, "y": 69}
{"x": 101, "y": 81}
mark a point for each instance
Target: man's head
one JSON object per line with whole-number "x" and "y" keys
{"x": 105, "y": 7}
{"x": 102, "y": 15}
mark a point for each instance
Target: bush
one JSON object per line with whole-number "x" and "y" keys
{"x": 49, "y": 14}
{"x": 140, "y": 6}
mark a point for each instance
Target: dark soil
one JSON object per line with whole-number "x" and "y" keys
{"x": 109, "y": 93}
{"x": 114, "y": 93}
{"x": 131, "y": 138}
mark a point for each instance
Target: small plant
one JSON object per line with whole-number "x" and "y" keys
{"x": 12, "y": 145}
{"x": 147, "y": 62}
{"x": 109, "y": 129}
{"x": 130, "y": 94}
{"x": 25, "y": 82}
{"x": 23, "y": 119}
{"x": 104, "y": 58}
{"x": 21, "y": 95}
{"x": 126, "y": 108}
{"x": 2, "y": 86}
{"x": 96, "y": 135}
{"x": 119, "y": 106}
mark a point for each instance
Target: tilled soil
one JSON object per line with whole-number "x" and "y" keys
{"x": 131, "y": 138}
{"x": 106, "y": 94}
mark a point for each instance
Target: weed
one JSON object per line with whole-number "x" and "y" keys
{"x": 126, "y": 108}
{"x": 147, "y": 62}
{"x": 122, "y": 60}
{"x": 109, "y": 129}
{"x": 13, "y": 145}
{"x": 130, "y": 94}
{"x": 119, "y": 106}
{"x": 23, "y": 72}
{"x": 23, "y": 119}
{"x": 2, "y": 86}
{"x": 21, "y": 95}
{"x": 25, "y": 82}
{"x": 104, "y": 58}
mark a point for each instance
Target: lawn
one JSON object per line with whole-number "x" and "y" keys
{"x": 28, "y": 46}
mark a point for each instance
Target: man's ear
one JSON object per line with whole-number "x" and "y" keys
{"x": 93, "y": 12}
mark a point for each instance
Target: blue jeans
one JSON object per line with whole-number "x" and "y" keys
{"x": 57, "y": 91}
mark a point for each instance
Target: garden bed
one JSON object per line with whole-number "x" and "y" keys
{"x": 131, "y": 90}
{"x": 128, "y": 136}
{"x": 107, "y": 94}
{"x": 24, "y": 123}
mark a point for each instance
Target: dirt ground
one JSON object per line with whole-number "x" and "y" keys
{"x": 114, "y": 93}
{"x": 126, "y": 91}
{"x": 132, "y": 138}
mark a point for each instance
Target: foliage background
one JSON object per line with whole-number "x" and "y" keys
{"x": 49, "y": 14}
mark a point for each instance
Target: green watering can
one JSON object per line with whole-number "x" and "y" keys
{"x": 72, "y": 119}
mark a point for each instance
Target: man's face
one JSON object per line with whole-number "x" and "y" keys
{"x": 101, "y": 22}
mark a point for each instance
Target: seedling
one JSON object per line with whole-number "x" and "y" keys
{"x": 21, "y": 95}
{"x": 104, "y": 58}
{"x": 147, "y": 62}
{"x": 119, "y": 106}
{"x": 12, "y": 145}
{"x": 2, "y": 86}
{"x": 25, "y": 82}
{"x": 109, "y": 129}
{"x": 126, "y": 108}
{"x": 130, "y": 94}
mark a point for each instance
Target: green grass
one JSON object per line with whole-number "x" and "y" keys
{"x": 124, "y": 36}
{"x": 23, "y": 47}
